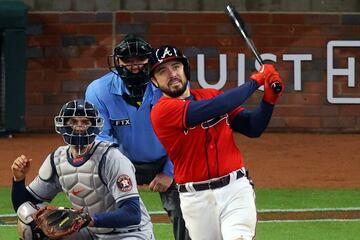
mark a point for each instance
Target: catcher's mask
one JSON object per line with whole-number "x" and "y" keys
{"x": 83, "y": 135}
{"x": 167, "y": 53}
{"x": 132, "y": 46}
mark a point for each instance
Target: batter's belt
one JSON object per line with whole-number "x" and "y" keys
{"x": 211, "y": 184}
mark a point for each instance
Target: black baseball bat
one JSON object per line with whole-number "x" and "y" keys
{"x": 237, "y": 21}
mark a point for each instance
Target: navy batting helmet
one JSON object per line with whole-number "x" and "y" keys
{"x": 131, "y": 46}
{"x": 78, "y": 108}
{"x": 167, "y": 53}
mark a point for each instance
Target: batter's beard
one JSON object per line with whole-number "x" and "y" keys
{"x": 175, "y": 93}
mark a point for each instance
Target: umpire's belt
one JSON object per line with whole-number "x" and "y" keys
{"x": 211, "y": 184}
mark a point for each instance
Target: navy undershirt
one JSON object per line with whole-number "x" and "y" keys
{"x": 19, "y": 195}
{"x": 127, "y": 214}
{"x": 247, "y": 122}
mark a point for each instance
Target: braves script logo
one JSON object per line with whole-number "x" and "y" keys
{"x": 76, "y": 192}
{"x": 124, "y": 183}
{"x": 212, "y": 122}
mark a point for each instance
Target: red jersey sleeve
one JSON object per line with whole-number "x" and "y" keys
{"x": 168, "y": 113}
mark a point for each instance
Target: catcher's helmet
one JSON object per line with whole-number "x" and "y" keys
{"x": 167, "y": 53}
{"x": 131, "y": 46}
{"x": 78, "y": 108}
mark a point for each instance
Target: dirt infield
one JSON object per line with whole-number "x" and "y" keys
{"x": 275, "y": 160}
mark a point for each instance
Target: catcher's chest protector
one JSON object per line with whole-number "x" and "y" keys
{"x": 82, "y": 184}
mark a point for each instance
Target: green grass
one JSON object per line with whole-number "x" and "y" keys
{"x": 307, "y": 198}
{"x": 8, "y": 233}
{"x": 266, "y": 199}
{"x": 345, "y": 230}
{"x": 161, "y": 231}
{"x": 339, "y": 230}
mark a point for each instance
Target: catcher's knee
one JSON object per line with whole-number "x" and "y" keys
{"x": 26, "y": 225}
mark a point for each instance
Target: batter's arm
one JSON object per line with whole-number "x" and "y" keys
{"x": 253, "y": 123}
{"x": 200, "y": 111}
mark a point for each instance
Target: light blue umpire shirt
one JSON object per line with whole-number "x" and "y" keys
{"x": 125, "y": 124}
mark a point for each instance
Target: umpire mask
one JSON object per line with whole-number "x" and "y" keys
{"x": 132, "y": 46}
{"x": 83, "y": 135}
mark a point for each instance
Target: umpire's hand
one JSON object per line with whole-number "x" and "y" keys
{"x": 160, "y": 183}
{"x": 20, "y": 167}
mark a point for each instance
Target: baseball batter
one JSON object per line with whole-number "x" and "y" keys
{"x": 196, "y": 128}
{"x": 94, "y": 175}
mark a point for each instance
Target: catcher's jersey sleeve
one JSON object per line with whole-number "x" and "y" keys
{"x": 119, "y": 173}
{"x": 45, "y": 190}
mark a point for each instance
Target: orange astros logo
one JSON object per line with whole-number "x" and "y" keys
{"x": 124, "y": 183}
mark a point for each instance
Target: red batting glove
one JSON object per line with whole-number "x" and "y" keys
{"x": 264, "y": 73}
{"x": 269, "y": 95}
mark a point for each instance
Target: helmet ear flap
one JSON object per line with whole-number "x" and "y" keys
{"x": 187, "y": 68}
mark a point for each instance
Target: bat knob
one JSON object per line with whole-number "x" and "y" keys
{"x": 276, "y": 87}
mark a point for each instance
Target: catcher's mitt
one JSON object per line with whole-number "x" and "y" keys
{"x": 57, "y": 222}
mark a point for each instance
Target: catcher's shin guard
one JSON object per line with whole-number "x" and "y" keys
{"x": 26, "y": 224}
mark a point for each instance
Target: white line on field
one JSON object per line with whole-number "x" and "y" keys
{"x": 311, "y": 220}
{"x": 309, "y": 210}
{"x": 290, "y": 210}
{"x": 157, "y": 212}
{"x": 8, "y": 215}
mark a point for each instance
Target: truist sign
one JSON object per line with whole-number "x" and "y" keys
{"x": 297, "y": 59}
{"x": 349, "y": 71}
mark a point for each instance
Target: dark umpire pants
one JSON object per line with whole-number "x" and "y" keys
{"x": 170, "y": 199}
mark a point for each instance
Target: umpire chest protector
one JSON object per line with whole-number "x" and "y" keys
{"x": 81, "y": 180}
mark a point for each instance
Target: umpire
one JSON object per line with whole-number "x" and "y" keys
{"x": 125, "y": 98}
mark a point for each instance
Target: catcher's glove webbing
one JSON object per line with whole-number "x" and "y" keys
{"x": 57, "y": 222}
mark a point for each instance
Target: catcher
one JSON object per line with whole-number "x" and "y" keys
{"x": 96, "y": 177}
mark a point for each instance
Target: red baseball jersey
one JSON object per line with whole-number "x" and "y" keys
{"x": 199, "y": 153}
